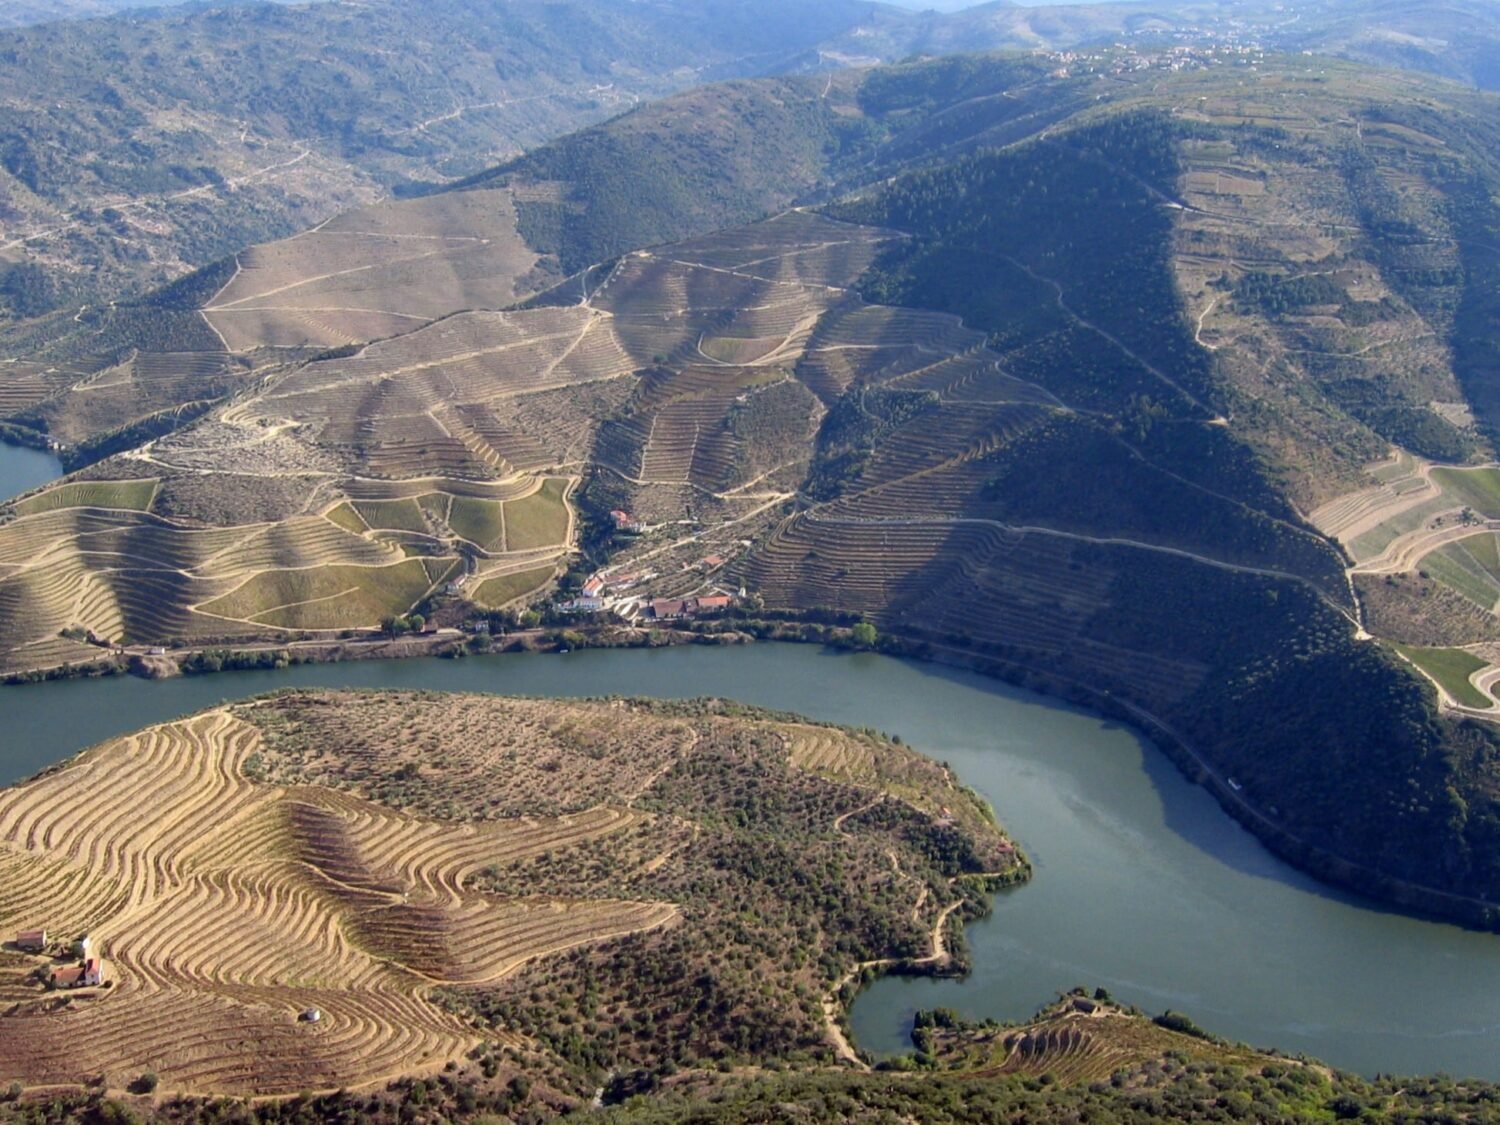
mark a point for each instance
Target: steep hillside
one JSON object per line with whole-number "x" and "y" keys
{"x": 688, "y": 165}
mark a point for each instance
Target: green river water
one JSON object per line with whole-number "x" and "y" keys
{"x": 1142, "y": 884}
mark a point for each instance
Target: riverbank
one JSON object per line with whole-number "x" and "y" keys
{"x": 836, "y": 631}
{"x": 1142, "y": 884}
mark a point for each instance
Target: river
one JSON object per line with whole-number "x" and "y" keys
{"x": 1142, "y": 884}
{"x": 23, "y": 469}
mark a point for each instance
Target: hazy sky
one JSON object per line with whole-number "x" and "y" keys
{"x": 956, "y": 5}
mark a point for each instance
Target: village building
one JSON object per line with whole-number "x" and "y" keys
{"x": 89, "y": 973}
{"x": 583, "y": 605}
{"x": 624, "y": 521}
{"x": 669, "y": 609}
{"x": 32, "y": 941}
{"x": 672, "y": 609}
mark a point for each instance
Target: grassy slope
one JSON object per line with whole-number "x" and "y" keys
{"x": 1450, "y": 667}
{"x": 501, "y": 591}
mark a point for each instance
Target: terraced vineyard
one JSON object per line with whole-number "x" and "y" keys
{"x": 229, "y": 905}
{"x": 1422, "y": 540}
{"x": 243, "y": 865}
{"x": 461, "y": 441}
{"x": 376, "y": 272}
{"x": 1075, "y": 1041}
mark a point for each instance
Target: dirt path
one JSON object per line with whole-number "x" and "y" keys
{"x": 1104, "y": 541}
{"x": 1062, "y": 304}
{"x": 833, "y": 1008}
{"x": 1204, "y": 315}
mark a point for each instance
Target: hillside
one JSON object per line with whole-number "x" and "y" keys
{"x": 452, "y": 879}
{"x": 1083, "y": 1057}
{"x": 1082, "y": 380}
{"x": 107, "y": 378}
{"x": 139, "y": 147}
{"x": 136, "y": 148}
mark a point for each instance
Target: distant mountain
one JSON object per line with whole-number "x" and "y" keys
{"x": 937, "y": 5}
{"x": 135, "y": 148}
{"x": 21, "y": 13}
{"x": 1460, "y": 40}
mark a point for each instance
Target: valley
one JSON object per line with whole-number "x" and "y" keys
{"x": 1151, "y": 368}
{"x": 995, "y": 406}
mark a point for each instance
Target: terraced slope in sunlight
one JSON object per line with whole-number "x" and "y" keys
{"x": 228, "y": 906}
{"x": 392, "y": 860}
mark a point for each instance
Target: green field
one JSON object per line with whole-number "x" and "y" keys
{"x": 331, "y": 597}
{"x": 1470, "y": 566}
{"x": 481, "y": 522}
{"x": 133, "y": 495}
{"x": 1478, "y": 488}
{"x": 497, "y": 592}
{"x": 346, "y": 517}
{"x": 1450, "y": 667}
{"x": 394, "y": 515}
{"x": 540, "y": 520}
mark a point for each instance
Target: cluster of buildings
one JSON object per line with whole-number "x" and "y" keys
{"x": 86, "y": 970}
{"x": 675, "y": 609}
{"x": 1121, "y": 60}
